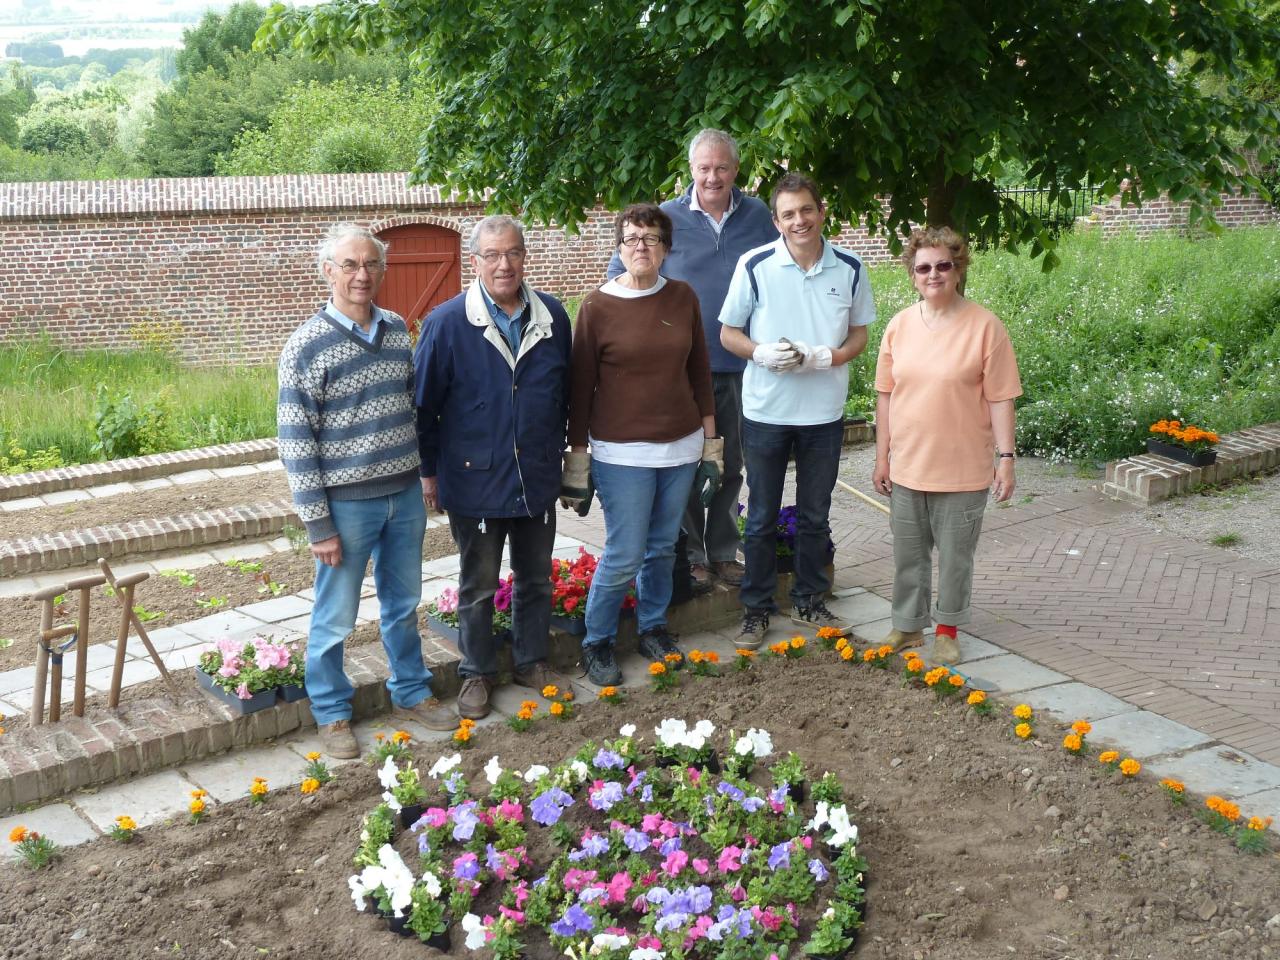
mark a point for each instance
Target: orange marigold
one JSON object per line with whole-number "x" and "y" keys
{"x": 524, "y": 713}
{"x": 1082, "y": 727}
{"x": 1259, "y": 823}
{"x": 673, "y": 657}
{"x": 657, "y": 669}
{"x": 18, "y": 834}
{"x": 1171, "y": 784}
{"x": 868, "y": 655}
{"x": 779, "y": 648}
{"x": 1229, "y": 810}
{"x": 956, "y": 680}
{"x": 1108, "y": 756}
{"x": 746, "y": 654}
{"x": 401, "y": 737}
{"x": 1214, "y": 803}
{"x": 842, "y": 643}
{"x": 1130, "y": 767}
{"x": 607, "y": 692}
{"x": 846, "y": 653}
{"x": 797, "y": 643}
{"x": 711, "y": 656}
{"x": 977, "y": 697}
{"x": 196, "y": 806}
{"x": 1072, "y": 742}
{"x": 550, "y": 691}
{"x": 466, "y": 723}
{"x": 695, "y": 656}
{"x": 915, "y": 666}
{"x": 884, "y": 651}
{"x": 462, "y": 734}
{"x": 556, "y": 709}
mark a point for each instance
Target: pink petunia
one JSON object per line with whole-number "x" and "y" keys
{"x": 242, "y": 691}
{"x": 676, "y": 861}
{"x": 516, "y": 915}
{"x": 728, "y": 861}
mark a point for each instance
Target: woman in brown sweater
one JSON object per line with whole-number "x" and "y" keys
{"x": 641, "y": 400}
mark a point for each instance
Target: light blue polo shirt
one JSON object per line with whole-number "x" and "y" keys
{"x": 375, "y": 319}
{"x": 770, "y": 297}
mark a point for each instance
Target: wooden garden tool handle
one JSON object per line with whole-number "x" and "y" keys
{"x": 48, "y": 593}
{"x": 55, "y": 702}
{"x": 132, "y": 580}
{"x": 86, "y": 583}
{"x": 45, "y": 596}
{"x": 129, "y": 581}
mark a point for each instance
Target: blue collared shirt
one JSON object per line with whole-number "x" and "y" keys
{"x": 368, "y": 336}
{"x": 511, "y": 327}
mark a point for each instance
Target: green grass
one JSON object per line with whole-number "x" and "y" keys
{"x": 47, "y": 396}
{"x": 1225, "y": 540}
{"x": 1125, "y": 332}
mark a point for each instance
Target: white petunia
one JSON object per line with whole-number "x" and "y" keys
{"x": 492, "y": 770}
{"x": 608, "y": 941}
{"x": 387, "y": 775}
{"x": 474, "y": 928}
{"x": 580, "y": 770}
{"x": 536, "y": 772}
{"x": 819, "y": 816}
{"x": 443, "y": 766}
{"x": 627, "y": 730}
{"x": 370, "y": 878}
{"x": 757, "y": 744}
{"x": 704, "y": 728}
{"x": 432, "y": 883}
{"x": 646, "y": 953}
{"x": 845, "y": 832}
{"x": 671, "y": 732}
{"x": 390, "y": 800}
{"x": 397, "y": 879}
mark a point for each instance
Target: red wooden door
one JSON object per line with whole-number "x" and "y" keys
{"x": 424, "y": 269}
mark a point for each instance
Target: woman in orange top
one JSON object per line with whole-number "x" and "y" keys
{"x": 946, "y": 379}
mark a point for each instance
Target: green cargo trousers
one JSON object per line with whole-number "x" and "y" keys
{"x": 921, "y": 520}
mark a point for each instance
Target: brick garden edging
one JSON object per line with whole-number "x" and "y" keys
{"x": 19, "y": 485}
{"x": 46, "y": 762}
{"x": 1148, "y": 478}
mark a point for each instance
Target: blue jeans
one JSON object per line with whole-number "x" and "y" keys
{"x": 532, "y": 540}
{"x": 390, "y": 530}
{"x": 766, "y": 447}
{"x": 643, "y": 507}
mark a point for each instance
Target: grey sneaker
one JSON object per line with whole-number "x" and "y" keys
{"x": 657, "y": 644}
{"x": 817, "y": 615}
{"x": 338, "y": 740}
{"x": 755, "y": 624}
{"x": 601, "y": 668}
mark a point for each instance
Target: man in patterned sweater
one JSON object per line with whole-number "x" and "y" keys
{"x": 349, "y": 445}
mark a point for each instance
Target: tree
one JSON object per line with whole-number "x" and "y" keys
{"x": 217, "y": 38}
{"x": 552, "y": 106}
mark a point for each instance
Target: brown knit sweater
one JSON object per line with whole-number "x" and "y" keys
{"x": 640, "y": 370}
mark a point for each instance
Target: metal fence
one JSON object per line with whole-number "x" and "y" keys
{"x": 1058, "y": 214}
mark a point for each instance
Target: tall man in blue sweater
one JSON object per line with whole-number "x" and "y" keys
{"x": 715, "y": 224}
{"x": 348, "y": 444}
{"x": 492, "y": 390}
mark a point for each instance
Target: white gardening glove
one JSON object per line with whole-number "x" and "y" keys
{"x": 778, "y": 357}
{"x": 813, "y": 358}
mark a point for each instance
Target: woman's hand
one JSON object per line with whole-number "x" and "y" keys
{"x": 880, "y": 477}
{"x": 1002, "y": 488}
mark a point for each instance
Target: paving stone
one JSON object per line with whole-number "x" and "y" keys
{"x": 135, "y": 671}
{"x": 156, "y": 483}
{"x": 443, "y": 566}
{"x": 20, "y": 679}
{"x": 369, "y": 611}
{"x": 1076, "y": 701}
{"x": 57, "y": 821}
{"x": 1263, "y": 804}
{"x": 57, "y": 497}
{"x": 277, "y": 609}
{"x": 1010, "y": 673}
{"x": 307, "y": 594}
{"x": 22, "y": 699}
{"x": 176, "y": 660}
{"x": 843, "y": 592}
{"x": 186, "y": 561}
{"x": 872, "y": 631}
{"x": 24, "y": 503}
{"x": 860, "y": 609}
{"x": 228, "y": 777}
{"x": 1208, "y": 771}
{"x": 8, "y": 709}
{"x": 18, "y": 586}
{"x": 165, "y": 640}
{"x": 972, "y": 648}
{"x": 223, "y": 624}
{"x": 243, "y": 470}
{"x": 1143, "y": 734}
{"x": 242, "y": 550}
{"x": 151, "y": 799}
{"x": 299, "y": 625}
{"x": 111, "y": 490}
{"x": 192, "y": 476}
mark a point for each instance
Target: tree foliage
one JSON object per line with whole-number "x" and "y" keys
{"x": 905, "y": 112}
{"x": 217, "y": 38}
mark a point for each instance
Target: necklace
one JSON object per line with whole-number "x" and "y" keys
{"x": 941, "y": 318}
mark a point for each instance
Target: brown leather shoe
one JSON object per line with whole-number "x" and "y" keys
{"x": 431, "y": 713}
{"x": 338, "y": 740}
{"x": 539, "y": 676}
{"x": 701, "y": 573}
{"x": 730, "y": 572}
{"x": 946, "y": 649}
{"x": 901, "y": 639}
{"x": 473, "y": 700}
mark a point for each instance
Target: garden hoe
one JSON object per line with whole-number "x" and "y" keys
{"x": 124, "y": 588}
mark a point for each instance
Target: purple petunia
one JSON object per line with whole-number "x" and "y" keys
{"x": 729, "y": 790}
{"x": 751, "y": 804}
{"x": 464, "y": 820}
{"x": 669, "y": 846}
{"x": 646, "y": 795}
{"x": 635, "y": 841}
{"x": 820, "y": 872}
{"x": 779, "y": 793}
{"x": 592, "y": 846}
{"x": 466, "y": 867}
{"x": 608, "y": 760}
{"x": 605, "y": 796}
{"x": 547, "y": 806}
{"x": 780, "y": 856}
{"x": 574, "y": 920}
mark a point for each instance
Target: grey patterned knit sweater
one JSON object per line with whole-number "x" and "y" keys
{"x": 345, "y": 417}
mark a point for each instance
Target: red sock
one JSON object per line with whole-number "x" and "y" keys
{"x": 942, "y": 630}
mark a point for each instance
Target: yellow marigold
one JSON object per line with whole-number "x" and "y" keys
{"x": 977, "y": 697}
{"x": 313, "y": 756}
{"x": 846, "y": 653}
{"x": 401, "y": 737}
{"x": 126, "y": 822}
{"x": 198, "y": 793}
{"x": 915, "y": 666}
{"x": 1171, "y": 784}
{"x": 462, "y": 734}
{"x": 1072, "y": 742}
{"x": 524, "y": 713}
{"x": 556, "y": 709}
{"x": 550, "y": 691}
{"x": 466, "y": 724}
{"x": 1022, "y": 711}
{"x": 1082, "y": 727}
{"x": 309, "y": 785}
{"x": 1229, "y": 810}
{"x": 868, "y": 655}
{"x": 1259, "y": 823}
{"x": 842, "y": 643}
{"x": 745, "y": 654}
{"x": 695, "y": 656}
{"x": 909, "y": 655}
{"x": 1214, "y": 803}
{"x": 956, "y": 680}
{"x": 18, "y": 834}
{"x": 1108, "y": 756}
{"x": 657, "y": 669}
{"x": 885, "y": 650}
{"x": 1023, "y": 730}
{"x": 673, "y": 657}
{"x": 711, "y": 656}
{"x": 197, "y": 805}
{"x": 826, "y": 633}
{"x": 797, "y": 643}
{"x": 1130, "y": 767}
{"x": 259, "y": 787}
{"x": 607, "y": 692}
{"x": 936, "y": 675}
{"x": 529, "y": 705}
{"x": 567, "y": 696}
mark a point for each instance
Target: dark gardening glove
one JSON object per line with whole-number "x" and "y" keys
{"x": 576, "y": 488}
{"x": 711, "y": 470}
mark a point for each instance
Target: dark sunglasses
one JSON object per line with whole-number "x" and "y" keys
{"x": 942, "y": 266}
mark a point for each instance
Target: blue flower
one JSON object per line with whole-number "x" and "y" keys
{"x": 637, "y": 782}
{"x": 646, "y": 795}
{"x": 547, "y": 806}
{"x": 709, "y": 805}
{"x": 780, "y": 856}
{"x": 606, "y": 796}
{"x": 751, "y": 804}
{"x": 608, "y": 760}
{"x": 592, "y": 846}
{"x": 636, "y": 841}
{"x": 669, "y": 846}
{"x": 424, "y": 844}
{"x": 492, "y": 859}
{"x": 575, "y": 920}
{"x": 730, "y": 791}
{"x": 778, "y": 793}
{"x": 820, "y": 872}
{"x": 454, "y": 782}
{"x": 464, "y": 821}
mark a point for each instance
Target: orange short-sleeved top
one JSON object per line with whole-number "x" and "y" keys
{"x": 939, "y": 384}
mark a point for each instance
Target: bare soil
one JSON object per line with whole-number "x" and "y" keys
{"x": 968, "y": 860}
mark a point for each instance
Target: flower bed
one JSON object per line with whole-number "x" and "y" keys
{"x": 245, "y": 669}
{"x": 620, "y": 852}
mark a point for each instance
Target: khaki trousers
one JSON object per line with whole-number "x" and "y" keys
{"x": 921, "y": 520}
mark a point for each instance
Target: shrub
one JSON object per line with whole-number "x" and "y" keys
{"x": 127, "y": 428}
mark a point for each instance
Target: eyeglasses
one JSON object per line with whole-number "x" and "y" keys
{"x": 648, "y": 239}
{"x": 942, "y": 266}
{"x": 493, "y": 256}
{"x": 350, "y": 267}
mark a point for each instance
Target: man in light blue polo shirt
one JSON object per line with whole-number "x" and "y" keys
{"x": 798, "y": 308}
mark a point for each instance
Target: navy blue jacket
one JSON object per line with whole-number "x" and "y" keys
{"x": 705, "y": 260}
{"x": 491, "y": 427}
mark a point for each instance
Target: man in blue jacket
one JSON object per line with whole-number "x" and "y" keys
{"x": 492, "y": 387}
{"x": 715, "y": 224}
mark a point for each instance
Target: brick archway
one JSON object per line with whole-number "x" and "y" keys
{"x": 424, "y": 269}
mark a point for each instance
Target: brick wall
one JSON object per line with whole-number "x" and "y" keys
{"x": 1164, "y": 214}
{"x": 225, "y": 266}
